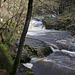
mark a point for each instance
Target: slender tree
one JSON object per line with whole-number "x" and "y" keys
{"x": 22, "y": 39}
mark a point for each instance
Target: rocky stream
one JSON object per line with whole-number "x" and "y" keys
{"x": 62, "y": 59}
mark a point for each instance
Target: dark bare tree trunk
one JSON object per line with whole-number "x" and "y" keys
{"x": 22, "y": 39}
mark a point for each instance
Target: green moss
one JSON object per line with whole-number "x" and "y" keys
{"x": 8, "y": 37}
{"x": 30, "y": 51}
{"x": 6, "y": 60}
{"x": 28, "y": 71}
{"x": 44, "y": 52}
{"x": 3, "y": 46}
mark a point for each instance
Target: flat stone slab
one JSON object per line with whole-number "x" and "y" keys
{"x": 35, "y": 43}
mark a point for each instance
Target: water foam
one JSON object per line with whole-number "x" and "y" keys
{"x": 28, "y": 65}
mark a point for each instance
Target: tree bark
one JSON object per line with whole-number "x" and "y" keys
{"x": 22, "y": 39}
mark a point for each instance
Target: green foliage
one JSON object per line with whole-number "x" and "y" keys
{"x": 8, "y": 38}
{"x": 6, "y": 60}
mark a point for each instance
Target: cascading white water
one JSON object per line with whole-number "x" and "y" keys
{"x": 36, "y": 25}
{"x": 37, "y": 28}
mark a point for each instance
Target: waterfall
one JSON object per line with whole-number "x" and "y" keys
{"x": 36, "y": 25}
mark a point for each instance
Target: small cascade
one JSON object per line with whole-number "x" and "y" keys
{"x": 36, "y": 25}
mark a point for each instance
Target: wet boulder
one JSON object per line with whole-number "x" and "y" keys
{"x": 66, "y": 44}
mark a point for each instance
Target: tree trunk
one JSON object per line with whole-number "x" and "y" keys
{"x": 22, "y": 39}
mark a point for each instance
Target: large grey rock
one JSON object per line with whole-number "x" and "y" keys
{"x": 66, "y": 44}
{"x": 40, "y": 47}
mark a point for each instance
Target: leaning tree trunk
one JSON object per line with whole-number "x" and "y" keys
{"x": 22, "y": 39}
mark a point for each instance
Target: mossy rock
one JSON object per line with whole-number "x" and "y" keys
{"x": 36, "y": 47}
{"x": 29, "y": 50}
{"x": 25, "y": 58}
{"x": 28, "y": 71}
{"x": 24, "y": 70}
{"x": 44, "y": 52}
